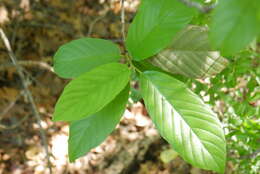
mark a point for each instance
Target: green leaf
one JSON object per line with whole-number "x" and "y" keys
{"x": 190, "y": 54}
{"x": 90, "y": 132}
{"x": 184, "y": 121}
{"x": 91, "y": 91}
{"x": 168, "y": 155}
{"x": 154, "y": 26}
{"x": 135, "y": 95}
{"x": 82, "y": 55}
{"x": 145, "y": 65}
{"x": 235, "y": 24}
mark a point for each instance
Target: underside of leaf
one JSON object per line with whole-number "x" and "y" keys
{"x": 190, "y": 54}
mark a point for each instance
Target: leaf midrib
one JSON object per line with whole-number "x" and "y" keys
{"x": 154, "y": 86}
{"x": 149, "y": 32}
{"x": 116, "y": 76}
{"x": 69, "y": 59}
{"x": 154, "y": 27}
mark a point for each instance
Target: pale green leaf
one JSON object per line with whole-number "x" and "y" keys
{"x": 168, "y": 155}
{"x": 235, "y": 23}
{"x": 154, "y": 26}
{"x": 91, "y": 91}
{"x": 190, "y": 54}
{"x": 184, "y": 121}
{"x": 90, "y": 132}
{"x": 82, "y": 55}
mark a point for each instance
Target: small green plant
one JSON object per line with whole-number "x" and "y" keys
{"x": 159, "y": 45}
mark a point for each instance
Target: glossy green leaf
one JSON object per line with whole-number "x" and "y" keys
{"x": 82, "y": 55}
{"x": 190, "y": 54}
{"x": 154, "y": 26}
{"x": 90, "y": 132}
{"x": 91, "y": 91}
{"x": 235, "y": 24}
{"x": 184, "y": 121}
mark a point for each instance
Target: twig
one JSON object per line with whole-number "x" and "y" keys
{"x": 201, "y": 8}
{"x": 12, "y": 103}
{"x": 28, "y": 94}
{"x": 14, "y": 125}
{"x": 92, "y": 24}
{"x": 123, "y": 19}
{"x": 28, "y": 63}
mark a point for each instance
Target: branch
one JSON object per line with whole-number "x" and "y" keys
{"x": 123, "y": 19}
{"x": 28, "y": 63}
{"x": 201, "y": 8}
{"x": 28, "y": 94}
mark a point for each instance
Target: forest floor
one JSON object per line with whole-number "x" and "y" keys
{"x": 35, "y": 30}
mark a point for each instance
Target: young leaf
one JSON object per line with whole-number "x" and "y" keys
{"x": 82, "y": 55}
{"x": 184, "y": 121}
{"x": 154, "y": 26}
{"x": 190, "y": 54}
{"x": 234, "y": 25}
{"x": 88, "y": 133}
{"x": 91, "y": 91}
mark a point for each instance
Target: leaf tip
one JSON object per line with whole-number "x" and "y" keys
{"x": 55, "y": 118}
{"x": 72, "y": 159}
{"x": 71, "y": 153}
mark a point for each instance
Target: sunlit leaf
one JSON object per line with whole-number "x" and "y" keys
{"x": 88, "y": 133}
{"x": 82, "y": 55}
{"x": 154, "y": 26}
{"x": 184, "y": 121}
{"x": 91, "y": 91}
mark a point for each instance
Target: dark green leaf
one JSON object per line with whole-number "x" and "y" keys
{"x": 235, "y": 24}
{"x": 91, "y": 91}
{"x": 145, "y": 65}
{"x": 135, "y": 95}
{"x": 184, "y": 121}
{"x": 88, "y": 133}
{"x": 82, "y": 55}
{"x": 154, "y": 26}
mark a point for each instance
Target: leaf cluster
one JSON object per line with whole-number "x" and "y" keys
{"x": 160, "y": 44}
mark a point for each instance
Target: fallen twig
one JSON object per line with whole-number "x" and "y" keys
{"x": 11, "y": 104}
{"x": 92, "y": 24}
{"x": 14, "y": 125}
{"x": 28, "y": 94}
{"x": 28, "y": 63}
